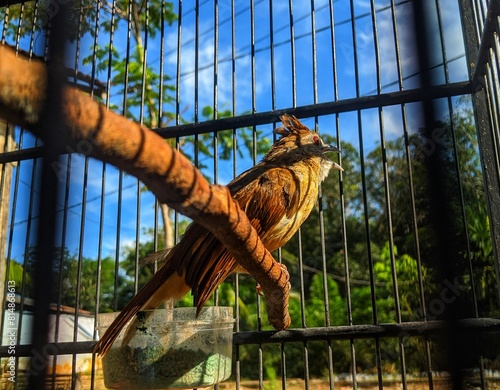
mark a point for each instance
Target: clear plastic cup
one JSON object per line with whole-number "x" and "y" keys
{"x": 170, "y": 349}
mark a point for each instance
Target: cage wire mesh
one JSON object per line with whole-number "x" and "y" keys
{"x": 395, "y": 275}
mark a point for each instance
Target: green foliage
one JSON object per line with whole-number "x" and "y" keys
{"x": 31, "y": 16}
{"x": 81, "y": 284}
{"x": 82, "y": 16}
{"x": 75, "y": 281}
{"x": 481, "y": 255}
{"x": 245, "y": 140}
{"x": 131, "y": 262}
{"x": 140, "y": 85}
{"x": 315, "y": 303}
{"x": 16, "y": 272}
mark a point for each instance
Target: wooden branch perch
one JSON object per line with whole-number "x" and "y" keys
{"x": 109, "y": 137}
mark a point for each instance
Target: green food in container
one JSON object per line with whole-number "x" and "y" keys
{"x": 170, "y": 348}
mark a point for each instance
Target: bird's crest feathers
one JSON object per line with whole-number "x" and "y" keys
{"x": 291, "y": 125}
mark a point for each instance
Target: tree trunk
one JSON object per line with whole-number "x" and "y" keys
{"x": 168, "y": 230}
{"x": 6, "y": 145}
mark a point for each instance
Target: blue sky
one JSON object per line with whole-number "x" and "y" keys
{"x": 243, "y": 93}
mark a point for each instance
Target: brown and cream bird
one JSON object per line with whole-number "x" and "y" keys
{"x": 277, "y": 195}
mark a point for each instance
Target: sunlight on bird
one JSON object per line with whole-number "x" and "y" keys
{"x": 277, "y": 195}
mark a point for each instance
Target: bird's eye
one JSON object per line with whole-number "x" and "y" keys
{"x": 316, "y": 140}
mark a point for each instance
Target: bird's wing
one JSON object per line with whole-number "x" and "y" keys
{"x": 272, "y": 196}
{"x": 204, "y": 261}
{"x": 202, "y": 257}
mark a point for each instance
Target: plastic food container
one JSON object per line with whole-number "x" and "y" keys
{"x": 170, "y": 349}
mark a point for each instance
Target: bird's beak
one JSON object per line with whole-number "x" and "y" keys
{"x": 337, "y": 166}
{"x": 331, "y": 148}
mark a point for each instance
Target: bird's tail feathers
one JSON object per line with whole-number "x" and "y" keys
{"x": 159, "y": 257}
{"x": 159, "y": 288}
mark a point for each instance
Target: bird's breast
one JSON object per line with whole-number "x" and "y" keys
{"x": 306, "y": 195}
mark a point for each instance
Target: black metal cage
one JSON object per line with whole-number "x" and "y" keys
{"x": 395, "y": 275}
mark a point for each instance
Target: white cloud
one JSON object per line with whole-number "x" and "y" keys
{"x": 392, "y": 120}
{"x": 206, "y": 70}
{"x": 387, "y": 45}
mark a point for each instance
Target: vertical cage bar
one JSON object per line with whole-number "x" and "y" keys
{"x": 465, "y": 235}
{"x": 178, "y": 65}
{"x": 48, "y": 199}
{"x": 177, "y": 97}
{"x": 352, "y": 349}
{"x": 313, "y": 53}
{"x": 487, "y": 133}
{"x": 19, "y": 25}
{"x": 365, "y": 199}
{"x": 82, "y": 217}
{"x": 5, "y": 21}
{"x": 14, "y": 203}
{"x": 30, "y": 219}
{"x": 237, "y": 350}
{"x": 252, "y": 57}
{"x": 160, "y": 124}
{"x": 272, "y": 58}
{"x": 6, "y": 170}
{"x": 99, "y": 268}
{"x": 420, "y": 277}
{"x": 388, "y": 208}
{"x": 292, "y": 53}
{"x": 33, "y": 28}
{"x": 216, "y": 62}
{"x": 438, "y": 179}
{"x": 196, "y": 79}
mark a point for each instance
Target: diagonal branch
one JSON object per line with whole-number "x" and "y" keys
{"x": 109, "y": 137}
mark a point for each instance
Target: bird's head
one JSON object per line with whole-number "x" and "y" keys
{"x": 298, "y": 142}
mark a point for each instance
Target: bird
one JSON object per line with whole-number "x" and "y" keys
{"x": 277, "y": 195}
